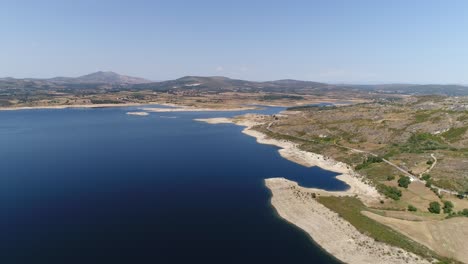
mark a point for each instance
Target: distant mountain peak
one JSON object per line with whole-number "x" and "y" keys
{"x": 109, "y": 77}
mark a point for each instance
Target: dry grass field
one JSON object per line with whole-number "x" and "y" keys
{"x": 446, "y": 237}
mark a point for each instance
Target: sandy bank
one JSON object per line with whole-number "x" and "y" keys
{"x": 216, "y": 120}
{"x": 335, "y": 235}
{"x": 291, "y": 152}
{"x": 138, "y": 113}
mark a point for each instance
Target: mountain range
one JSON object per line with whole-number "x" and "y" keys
{"x": 106, "y": 77}
{"x": 112, "y": 80}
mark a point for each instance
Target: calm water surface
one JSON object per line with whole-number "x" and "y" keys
{"x": 100, "y": 186}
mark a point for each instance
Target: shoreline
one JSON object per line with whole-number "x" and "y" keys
{"x": 291, "y": 152}
{"x": 173, "y": 107}
{"x": 78, "y": 106}
{"x": 309, "y": 236}
{"x": 327, "y": 229}
{"x": 215, "y": 120}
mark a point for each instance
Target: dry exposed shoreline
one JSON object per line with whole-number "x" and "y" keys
{"x": 76, "y": 106}
{"x": 334, "y": 234}
{"x": 296, "y": 205}
{"x": 174, "y": 107}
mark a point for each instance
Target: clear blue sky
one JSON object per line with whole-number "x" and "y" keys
{"x": 336, "y": 41}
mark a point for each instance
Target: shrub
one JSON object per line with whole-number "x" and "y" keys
{"x": 390, "y": 192}
{"x": 426, "y": 177}
{"x": 418, "y": 143}
{"x": 412, "y": 208}
{"x": 442, "y": 262}
{"x": 390, "y": 178}
{"x": 454, "y": 133}
{"x": 464, "y": 212}
{"x": 429, "y": 162}
{"x": 404, "y": 181}
{"x": 434, "y": 207}
{"x": 374, "y": 159}
{"x": 429, "y": 183}
{"x": 368, "y": 162}
{"x": 360, "y": 166}
{"x": 448, "y": 207}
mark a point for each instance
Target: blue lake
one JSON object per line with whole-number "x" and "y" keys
{"x": 100, "y": 186}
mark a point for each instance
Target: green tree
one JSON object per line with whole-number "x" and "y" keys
{"x": 390, "y": 177}
{"x": 426, "y": 177}
{"x": 429, "y": 183}
{"x": 434, "y": 207}
{"x": 404, "y": 181}
{"x": 448, "y": 207}
{"x": 464, "y": 212}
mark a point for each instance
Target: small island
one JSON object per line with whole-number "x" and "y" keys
{"x": 138, "y": 113}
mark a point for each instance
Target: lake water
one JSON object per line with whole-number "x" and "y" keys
{"x": 100, "y": 186}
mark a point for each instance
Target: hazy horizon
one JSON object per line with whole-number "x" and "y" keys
{"x": 334, "y": 41}
{"x": 334, "y": 83}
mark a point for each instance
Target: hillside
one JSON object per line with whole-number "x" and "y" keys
{"x": 110, "y": 87}
{"x": 415, "y": 89}
{"x": 112, "y": 80}
{"x": 410, "y": 133}
{"x": 94, "y": 80}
